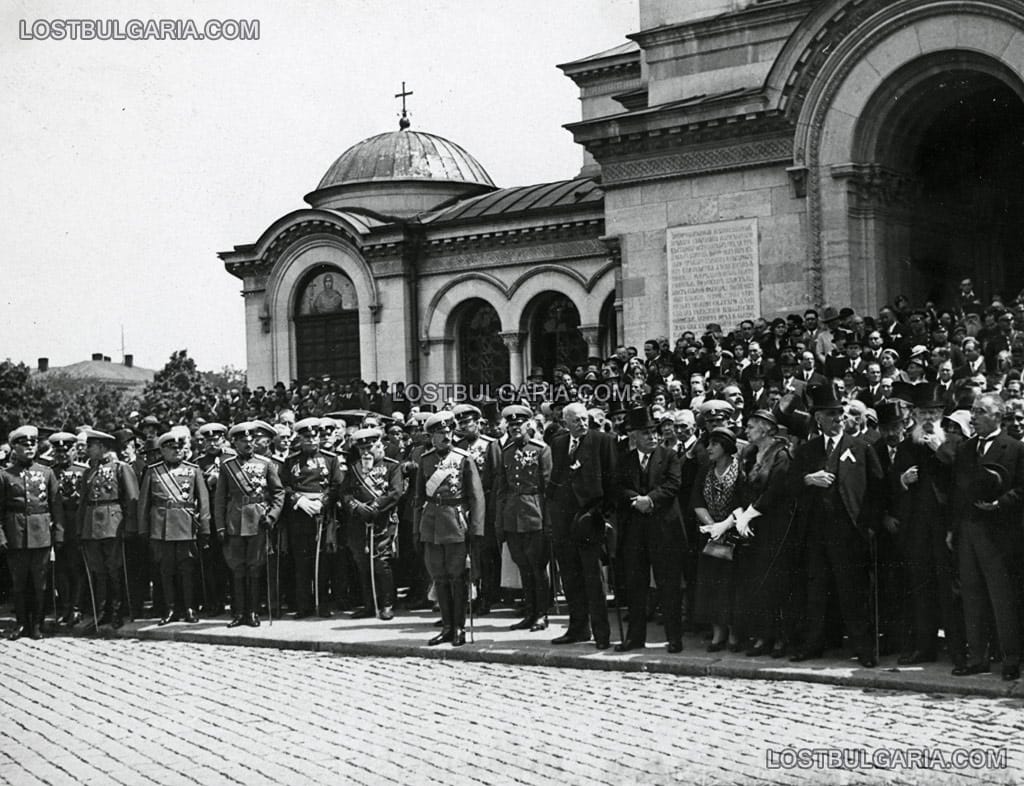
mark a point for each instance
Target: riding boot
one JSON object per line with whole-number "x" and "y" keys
{"x": 238, "y": 600}
{"x": 253, "y": 599}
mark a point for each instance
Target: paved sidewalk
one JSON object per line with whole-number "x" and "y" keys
{"x": 407, "y": 634}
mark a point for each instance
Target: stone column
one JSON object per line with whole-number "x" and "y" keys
{"x": 591, "y": 334}
{"x": 514, "y": 341}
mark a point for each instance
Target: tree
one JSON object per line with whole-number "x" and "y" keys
{"x": 177, "y": 391}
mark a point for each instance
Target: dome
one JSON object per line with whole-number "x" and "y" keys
{"x": 405, "y": 155}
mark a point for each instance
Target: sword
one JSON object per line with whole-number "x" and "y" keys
{"x": 469, "y": 591}
{"x": 92, "y": 594}
{"x": 553, "y": 571}
{"x": 270, "y": 601}
{"x": 53, "y": 583}
{"x": 373, "y": 573}
{"x": 127, "y": 592}
{"x": 277, "y": 566}
{"x": 316, "y": 561}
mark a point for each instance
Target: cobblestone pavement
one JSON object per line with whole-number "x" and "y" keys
{"x": 134, "y": 712}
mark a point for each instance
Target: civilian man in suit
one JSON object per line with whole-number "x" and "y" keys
{"x": 581, "y": 490}
{"x": 652, "y": 530}
{"x": 988, "y": 489}
{"x": 830, "y": 475}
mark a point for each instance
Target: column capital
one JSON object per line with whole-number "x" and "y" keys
{"x": 513, "y": 340}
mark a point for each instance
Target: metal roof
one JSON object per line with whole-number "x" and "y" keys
{"x": 521, "y": 199}
{"x": 405, "y": 155}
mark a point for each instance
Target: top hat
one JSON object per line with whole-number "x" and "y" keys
{"x": 823, "y": 397}
{"x": 640, "y": 419}
{"x": 926, "y": 397}
{"x": 890, "y": 413}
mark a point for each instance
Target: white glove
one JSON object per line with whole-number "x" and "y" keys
{"x": 311, "y": 507}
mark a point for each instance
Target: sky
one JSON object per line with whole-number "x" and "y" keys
{"x": 125, "y": 166}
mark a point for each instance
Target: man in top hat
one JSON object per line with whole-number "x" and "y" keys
{"x": 923, "y": 473}
{"x": 174, "y": 515}
{"x": 830, "y": 475}
{"x": 580, "y": 494}
{"x": 32, "y": 517}
{"x": 212, "y": 449}
{"x": 371, "y": 493}
{"x": 312, "y": 481}
{"x": 486, "y": 455}
{"x": 110, "y": 496}
{"x": 69, "y": 566}
{"x": 652, "y": 530}
{"x": 247, "y": 504}
{"x": 522, "y": 476}
{"x": 448, "y": 517}
{"x": 986, "y": 497}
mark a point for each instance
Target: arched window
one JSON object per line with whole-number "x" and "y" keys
{"x": 483, "y": 356}
{"x": 327, "y": 325}
{"x": 555, "y": 338}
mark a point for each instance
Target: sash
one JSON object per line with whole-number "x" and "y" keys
{"x": 160, "y": 472}
{"x": 441, "y": 474}
{"x": 373, "y": 492}
{"x": 240, "y": 480}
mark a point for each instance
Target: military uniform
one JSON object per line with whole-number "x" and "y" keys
{"x": 449, "y": 512}
{"x": 174, "y": 512}
{"x": 371, "y": 494}
{"x": 110, "y": 496}
{"x": 311, "y": 476}
{"x": 485, "y": 453}
{"x": 69, "y": 567}
{"x": 214, "y": 570}
{"x": 33, "y": 523}
{"x": 248, "y": 503}
{"x": 522, "y": 476}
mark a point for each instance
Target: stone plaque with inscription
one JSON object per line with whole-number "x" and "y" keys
{"x": 712, "y": 275}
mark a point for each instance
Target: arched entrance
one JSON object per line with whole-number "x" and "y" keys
{"x": 941, "y": 199}
{"x": 608, "y": 337}
{"x": 327, "y": 325}
{"x": 553, "y": 325}
{"x": 482, "y": 355}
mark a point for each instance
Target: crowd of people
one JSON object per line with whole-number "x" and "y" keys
{"x": 777, "y": 486}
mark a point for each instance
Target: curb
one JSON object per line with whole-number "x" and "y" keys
{"x": 651, "y": 661}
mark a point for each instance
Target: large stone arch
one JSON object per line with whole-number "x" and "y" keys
{"x": 891, "y": 43}
{"x": 289, "y": 274}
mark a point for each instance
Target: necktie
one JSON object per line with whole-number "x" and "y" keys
{"x": 983, "y": 443}
{"x": 574, "y": 443}
{"x": 643, "y": 462}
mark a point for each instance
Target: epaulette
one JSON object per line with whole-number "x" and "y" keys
{"x": 154, "y": 465}
{"x": 328, "y": 452}
{"x": 190, "y": 464}
{"x": 507, "y": 445}
{"x": 79, "y": 464}
{"x": 538, "y": 441}
{"x": 387, "y": 460}
{"x": 486, "y": 438}
{"x": 460, "y": 451}
{"x": 268, "y": 459}
{"x": 427, "y": 452}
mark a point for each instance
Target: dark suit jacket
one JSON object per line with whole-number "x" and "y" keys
{"x": 589, "y": 479}
{"x": 855, "y": 472}
{"x": 1005, "y": 451}
{"x": 661, "y": 484}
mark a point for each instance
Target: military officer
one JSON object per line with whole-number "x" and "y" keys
{"x": 33, "y": 522}
{"x": 110, "y": 496}
{"x": 485, "y": 453}
{"x": 279, "y": 559}
{"x": 212, "y": 450}
{"x": 521, "y": 480}
{"x": 248, "y": 503}
{"x": 371, "y": 493}
{"x": 69, "y": 567}
{"x": 448, "y": 516}
{"x": 312, "y": 479}
{"x": 174, "y": 512}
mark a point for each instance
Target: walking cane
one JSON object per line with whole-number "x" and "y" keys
{"x": 92, "y": 594}
{"x": 270, "y": 601}
{"x": 277, "y": 566}
{"x": 874, "y": 557}
{"x": 373, "y": 572}
{"x": 53, "y": 583}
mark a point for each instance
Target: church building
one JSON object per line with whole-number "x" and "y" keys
{"x": 741, "y": 159}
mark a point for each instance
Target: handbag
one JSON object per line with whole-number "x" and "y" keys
{"x": 719, "y": 549}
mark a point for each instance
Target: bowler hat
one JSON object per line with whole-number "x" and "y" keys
{"x": 990, "y": 482}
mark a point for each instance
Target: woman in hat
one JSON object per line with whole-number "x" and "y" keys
{"x": 763, "y": 582}
{"x": 718, "y": 492}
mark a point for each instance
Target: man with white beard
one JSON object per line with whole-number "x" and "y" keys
{"x": 923, "y": 467}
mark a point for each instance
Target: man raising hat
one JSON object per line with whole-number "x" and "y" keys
{"x": 32, "y": 515}
{"x": 174, "y": 513}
